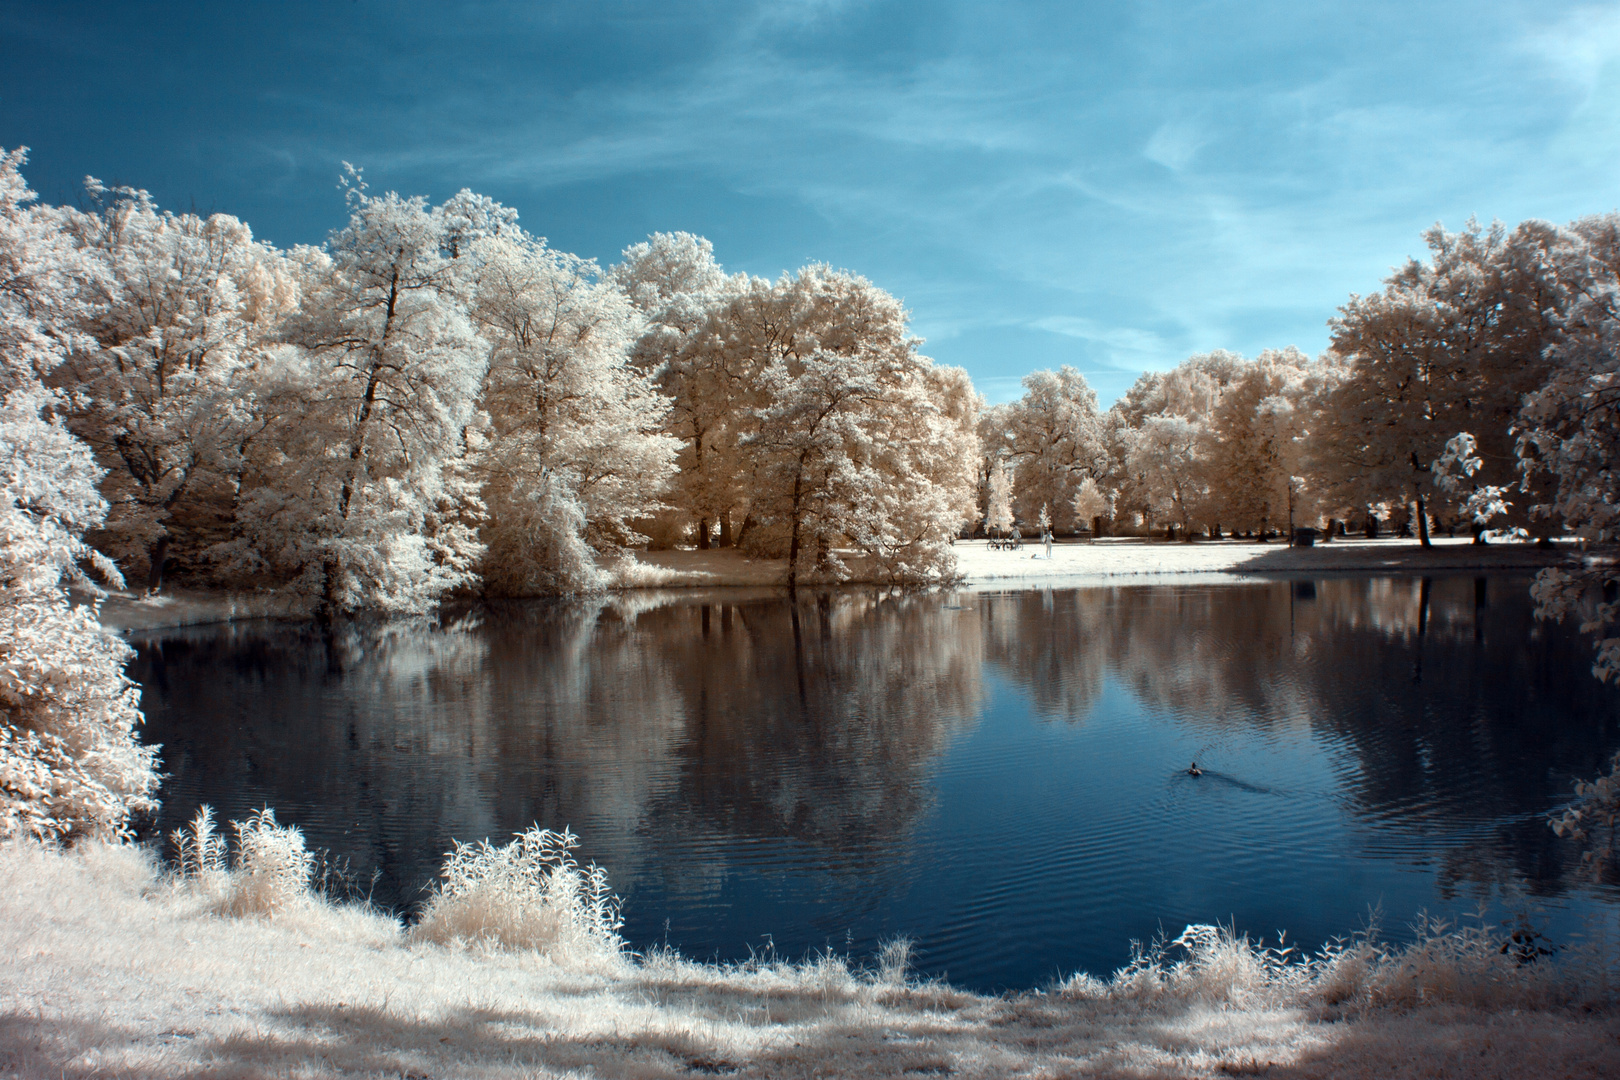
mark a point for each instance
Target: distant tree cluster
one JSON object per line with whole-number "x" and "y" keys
{"x": 808, "y": 423}
{"x": 1478, "y": 390}
{"x": 434, "y": 403}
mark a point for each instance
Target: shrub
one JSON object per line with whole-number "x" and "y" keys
{"x": 1444, "y": 964}
{"x": 528, "y": 894}
{"x": 272, "y": 865}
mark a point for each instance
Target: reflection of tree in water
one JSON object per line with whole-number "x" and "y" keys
{"x": 331, "y": 728}
{"x": 816, "y": 722}
{"x": 1476, "y": 715}
{"x": 1461, "y": 715}
{"x": 670, "y": 731}
{"x": 619, "y": 717}
{"x": 1054, "y": 644}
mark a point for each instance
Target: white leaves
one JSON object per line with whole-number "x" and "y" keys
{"x": 1596, "y": 807}
{"x": 359, "y": 493}
{"x": 165, "y": 393}
{"x": 578, "y": 442}
{"x": 999, "y": 512}
{"x": 70, "y": 764}
{"x": 1053, "y": 436}
{"x": 1456, "y": 464}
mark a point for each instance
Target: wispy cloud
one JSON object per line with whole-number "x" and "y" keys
{"x": 1108, "y": 185}
{"x": 1174, "y": 143}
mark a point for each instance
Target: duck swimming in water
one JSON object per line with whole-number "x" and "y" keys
{"x": 1194, "y": 770}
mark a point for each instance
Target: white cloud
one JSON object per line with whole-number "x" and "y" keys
{"x": 1581, "y": 46}
{"x": 1175, "y": 144}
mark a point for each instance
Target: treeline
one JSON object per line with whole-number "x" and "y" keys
{"x": 1476, "y": 389}
{"x": 435, "y": 402}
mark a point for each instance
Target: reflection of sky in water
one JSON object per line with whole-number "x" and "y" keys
{"x": 999, "y": 776}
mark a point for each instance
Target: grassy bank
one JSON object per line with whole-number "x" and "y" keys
{"x": 109, "y": 967}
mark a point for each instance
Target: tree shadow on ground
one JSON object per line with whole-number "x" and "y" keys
{"x": 732, "y": 1031}
{"x": 1400, "y": 557}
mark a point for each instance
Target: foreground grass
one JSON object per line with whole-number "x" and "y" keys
{"x": 110, "y": 968}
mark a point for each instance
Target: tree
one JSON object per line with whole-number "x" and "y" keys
{"x": 999, "y": 516}
{"x": 1570, "y": 437}
{"x": 1055, "y": 438}
{"x": 1090, "y": 504}
{"x": 1165, "y": 457}
{"x": 363, "y": 496}
{"x": 70, "y": 763}
{"x": 180, "y": 319}
{"x": 688, "y": 347}
{"x": 1256, "y": 441}
{"x": 579, "y": 448}
{"x": 1156, "y": 440}
{"x": 1449, "y": 345}
{"x": 854, "y": 442}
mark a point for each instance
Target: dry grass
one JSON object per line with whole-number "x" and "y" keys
{"x": 109, "y": 967}
{"x": 526, "y": 895}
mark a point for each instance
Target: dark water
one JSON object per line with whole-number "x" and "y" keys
{"x": 998, "y": 776}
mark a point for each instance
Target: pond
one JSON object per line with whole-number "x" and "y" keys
{"x": 999, "y": 776}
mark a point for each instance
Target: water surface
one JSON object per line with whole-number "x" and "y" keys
{"x": 1000, "y": 777}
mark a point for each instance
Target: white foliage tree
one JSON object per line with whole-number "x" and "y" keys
{"x": 364, "y": 497}
{"x": 697, "y": 348}
{"x": 579, "y": 449}
{"x": 1054, "y": 435}
{"x": 1157, "y": 438}
{"x": 1165, "y": 456}
{"x": 999, "y": 515}
{"x": 1090, "y": 502}
{"x": 70, "y": 763}
{"x": 1449, "y": 345}
{"x": 857, "y": 442}
{"x": 165, "y": 398}
{"x": 1256, "y": 439}
{"x": 1570, "y": 438}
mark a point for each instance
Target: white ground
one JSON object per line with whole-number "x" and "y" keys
{"x": 108, "y": 971}
{"x": 1106, "y": 560}
{"x": 1079, "y": 563}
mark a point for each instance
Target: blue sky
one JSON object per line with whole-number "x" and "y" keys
{"x": 1110, "y": 185}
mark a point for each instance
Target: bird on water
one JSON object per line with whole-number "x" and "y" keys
{"x": 1194, "y": 770}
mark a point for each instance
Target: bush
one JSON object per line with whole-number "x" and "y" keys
{"x": 528, "y": 894}
{"x": 1444, "y": 964}
{"x": 272, "y": 865}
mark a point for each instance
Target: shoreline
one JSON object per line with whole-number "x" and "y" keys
{"x": 1074, "y": 564}
{"x": 114, "y": 968}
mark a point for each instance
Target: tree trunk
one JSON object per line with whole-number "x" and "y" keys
{"x": 742, "y": 530}
{"x": 329, "y": 605}
{"x": 793, "y": 540}
{"x": 157, "y": 557}
{"x": 703, "y": 534}
{"x": 1423, "y": 523}
{"x": 725, "y": 529}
